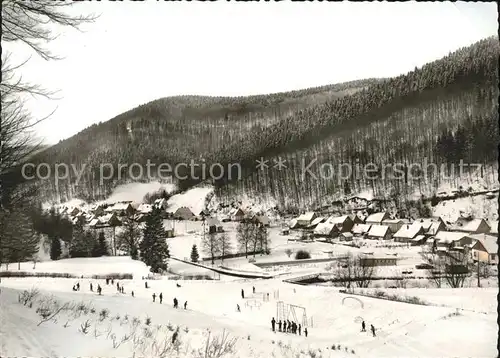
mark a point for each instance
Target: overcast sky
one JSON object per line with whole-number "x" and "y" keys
{"x": 138, "y": 52}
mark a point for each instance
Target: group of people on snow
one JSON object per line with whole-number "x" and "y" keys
{"x": 288, "y": 326}
{"x": 363, "y": 328}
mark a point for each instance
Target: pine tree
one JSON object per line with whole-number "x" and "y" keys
{"x": 194, "y": 254}
{"x": 82, "y": 244}
{"x": 55, "y": 248}
{"x": 154, "y": 247}
{"x": 102, "y": 245}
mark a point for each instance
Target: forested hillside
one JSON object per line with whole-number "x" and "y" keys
{"x": 175, "y": 130}
{"x": 440, "y": 113}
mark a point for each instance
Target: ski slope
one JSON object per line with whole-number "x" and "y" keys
{"x": 403, "y": 330}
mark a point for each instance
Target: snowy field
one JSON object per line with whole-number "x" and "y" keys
{"x": 401, "y": 329}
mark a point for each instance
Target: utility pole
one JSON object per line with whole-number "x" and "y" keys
{"x": 478, "y": 277}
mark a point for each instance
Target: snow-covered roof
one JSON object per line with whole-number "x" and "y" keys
{"x": 338, "y": 220}
{"x": 377, "y": 217}
{"x": 324, "y": 228}
{"x": 409, "y": 231}
{"x": 378, "y": 230}
{"x": 94, "y": 222}
{"x": 145, "y": 208}
{"x": 472, "y": 225}
{"x": 292, "y": 223}
{"x": 346, "y": 234}
{"x": 493, "y": 226}
{"x": 307, "y": 216}
{"x": 360, "y": 228}
{"x": 489, "y": 242}
{"x": 418, "y": 238}
{"x": 317, "y": 221}
{"x": 447, "y": 237}
{"x": 392, "y": 221}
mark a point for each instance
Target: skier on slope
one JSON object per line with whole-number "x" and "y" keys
{"x": 242, "y": 293}
{"x": 154, "y": 297}
{"x": 185, "y": 305}
{"x": 373, "y": 330}
{"x": 161, "y": 297}
{"x": 363, "y": 326}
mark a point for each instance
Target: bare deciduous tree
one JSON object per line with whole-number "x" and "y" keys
{"x": 30, "y": 23}
{"x": 225, "y": 245}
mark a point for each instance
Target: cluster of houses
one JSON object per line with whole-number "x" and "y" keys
{"x": 101, "y": 216}
{"x": 478, "y": 235}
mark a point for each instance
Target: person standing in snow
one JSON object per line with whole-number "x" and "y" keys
{"x": 300, "y": 329}
{"x": 112, "y": 281}
{"x": 279, "y": 325}
{"x": 238, "y": 308}
{"x": 373, "y": 330}
{"x": 284, "y": 326}
{"x": 99, "y": 289}
{"x": 146, "y": 284}
{"x": 132, "y": 293}
{"x": 305, "y": 332}
{"x": 161, "y": 297}
{"x": 363, "y": 326}
{"x": 107, "y": 280}
{"x": 154, "y": 297}
{"x": 176, "y": 303}
{"x": 242, "y": 293}
{"x": 253, "y": 288}
{"x": 185, "y": 305}
{"x": 91, "y": 287}
{"x": 273, "y": 324}
{"x": 78, "y": 286}
{"x": 118, "y": 286}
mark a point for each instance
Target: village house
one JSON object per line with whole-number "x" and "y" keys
{"x": 183, "y": 213}
{"x": 326, "y": 229}
{"x": 346, "y": 236}
{"x": 474, "y": 226}
{"x": 214, "y": 225}
{"x": 379, "y": 260}
{"x": 237, "y": 214}
{"x": 121, "y": 209}
{"x": 97, "y": 210}
{"x": 261, "y": 220}
{"x": 379, "y": 232}
{"x": 358, "y": 218}
{"x": 377, "y": 218}
{"x": 485, "y": 248}
{"x": 418, "y": 240}
{"x": 305, "y": 219}
{"x": 449, "y": 239}
{"x": 394, "y": 224}
{"x": 360, "y": 229}
{"x": 493, "y": 226}
{"x": 315, "y": 222}
{"x": 343, "y": 223}
{"x": 408, "y": 232}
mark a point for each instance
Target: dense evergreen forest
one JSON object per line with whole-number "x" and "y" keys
{"x": 440, "y": 113}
